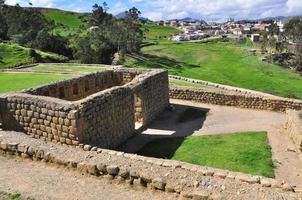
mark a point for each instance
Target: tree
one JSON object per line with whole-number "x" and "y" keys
{"x": 112, "y": 36}
{"x": 3, "y": 24}
{"x": 99, "y": 16}
{"x": 133, "y": 13}
{"x": 47, "y": 41}
{"x": 293, "y": 31}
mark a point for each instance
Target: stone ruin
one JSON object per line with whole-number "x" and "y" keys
{"x": 100, "y": 109}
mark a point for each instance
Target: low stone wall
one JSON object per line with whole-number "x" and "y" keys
{"x": 236, "y": 100}
{"x": 190, "y": 181}
{"x": 106, "y": 115}
{"x": 293, "y": 127}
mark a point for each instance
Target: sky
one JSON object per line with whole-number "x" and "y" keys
{"x": 209, "y": 10}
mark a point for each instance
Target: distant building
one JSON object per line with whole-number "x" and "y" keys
{"x": 93, "y": 28}
{"x": 255, "y": 37}
{"x": 178, "y": 38}
{"x": 261, "y": 27}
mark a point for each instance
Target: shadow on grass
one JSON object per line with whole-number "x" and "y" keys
{"x": 162, "y": 148}
{"x": 164, "y": 62}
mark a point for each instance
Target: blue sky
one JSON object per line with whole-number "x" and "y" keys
{"x": 211, "y": 10}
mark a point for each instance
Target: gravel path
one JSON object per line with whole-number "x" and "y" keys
{"x": 41, "y": 182}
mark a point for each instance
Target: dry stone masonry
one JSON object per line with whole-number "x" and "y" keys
{"x": 293, "y": 127}
{"x": 98, "y": 109}
{"x": 187, "y": 180}
{"x": 228, "y": 98}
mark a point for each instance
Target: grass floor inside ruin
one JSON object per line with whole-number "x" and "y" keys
{"x": 12, "y": 82}
{"x": 241, "y": 152}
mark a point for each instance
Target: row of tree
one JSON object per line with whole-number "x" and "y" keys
{"x": 100, "y": 37}
{"x": 109, "y": 35}
{"x": 287, "y": 45}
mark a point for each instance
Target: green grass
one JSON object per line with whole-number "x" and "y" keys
{"x": 241, "y": 152}
{"x": 66, "y": 18}
{"x": 66, "y": 22}
{"x": 12, "y": 82}
{"x": 12, "y": 55}
{"x": 184, "y": 83}
{"x": 68, "y": 68}
{"x": 159, "y": 32}
{"x": 220, "y": 62}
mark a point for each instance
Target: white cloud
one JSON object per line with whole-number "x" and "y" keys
{"x": 36, "y": 3}
{"x": 118, "y": 8}
{"x": 294, "y": 6}
{"x": 221, "y": 9}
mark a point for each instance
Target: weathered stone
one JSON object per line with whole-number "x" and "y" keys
{"x": 87, "y": 147}
{"x": 92, "y": 169}
{"x": 158, "y": 183}
{"x": 113, "y": 170}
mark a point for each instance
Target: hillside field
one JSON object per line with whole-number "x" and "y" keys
{"x": 12, "y": 55}
{"x": 221, "y": 62}
{"x": 155, "y": 32}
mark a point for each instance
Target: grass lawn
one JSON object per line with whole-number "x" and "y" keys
{"x": 12, "y": 82}
{"x": 68, "y": 68}
{"x": 241, "y": 152}
{"x": 220, "y": 62}
{"x": 184, "y": 83}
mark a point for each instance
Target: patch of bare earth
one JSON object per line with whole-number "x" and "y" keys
{"x": 41, "y": 182}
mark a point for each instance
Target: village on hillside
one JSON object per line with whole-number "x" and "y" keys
{"x": 199, "y": 29}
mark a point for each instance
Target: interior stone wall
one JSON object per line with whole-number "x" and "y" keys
{"x": 80, "y": 87}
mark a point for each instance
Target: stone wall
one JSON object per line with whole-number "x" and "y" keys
{"x": 293, "y": 127}
{"x": 184, "y": 179}
{"x": 105, "y": 116}
{"x": 151, "y": 94}
{"x": 80, "y": 87}
{"x": 237, "y": 100}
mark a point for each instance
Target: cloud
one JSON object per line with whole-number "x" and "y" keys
{"x": 36, "y": 3}
{"x": 118, "y": 8}
{"x": 221, "y": 9}
{"x": 212, "y": 10}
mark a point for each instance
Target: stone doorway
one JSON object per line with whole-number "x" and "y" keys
{"x": 138, "y": 111}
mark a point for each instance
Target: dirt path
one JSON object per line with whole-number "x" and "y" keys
{"x": 214, "y": 120}
{"x": 42, "y": 182}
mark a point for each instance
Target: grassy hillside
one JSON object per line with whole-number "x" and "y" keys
{"x": 155, "y": 32}
{"x": 69, "y": 19}
{"x": 220, "y": 62}
{"x": 12, "y": 55}
{"x": 66, "y": 22}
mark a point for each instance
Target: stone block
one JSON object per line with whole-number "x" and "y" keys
{"x": 158, "y": 183}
